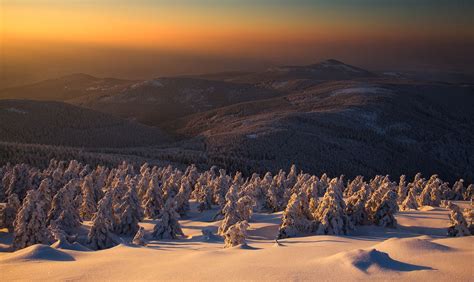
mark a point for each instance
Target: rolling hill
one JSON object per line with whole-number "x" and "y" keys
{"x": 325, "y": 117}
{"x": 58, "y": 123}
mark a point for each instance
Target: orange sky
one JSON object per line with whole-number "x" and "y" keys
{"x": 271, "y": 31}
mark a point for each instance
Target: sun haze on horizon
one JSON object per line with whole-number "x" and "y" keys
{"x": 145, "y": 38}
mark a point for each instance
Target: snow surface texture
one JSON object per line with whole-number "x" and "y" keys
{"x": 416, "y": 250}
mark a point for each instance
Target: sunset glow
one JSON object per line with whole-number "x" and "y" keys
{"x": 273, "y": 32}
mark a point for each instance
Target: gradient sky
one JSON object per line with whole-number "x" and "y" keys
{"x": 145, "y": 38}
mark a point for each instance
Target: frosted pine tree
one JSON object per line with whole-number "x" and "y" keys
{"x": 296, "y": 219}
{"x": 430, "y": 196}
{"x": 410, "y": 202}
{"x": 459, "y": 190}
{"x": 139, "y": 238}
{"x": 354, "y": 186}
{"x": 230, "y": 210}
{"x": 331, "y": 211}
{"x": 167, "y": 226}
{"x": 221, "y": 186}
{"x": 143, "y": 183}
{"x": 131, "y": 212}
{"x": 458, "y": 224}
{"x": 469, "y": 216}
{"x": 63, "y": 210}
{"x": 16, "y": 182}
{"x": 153, "y": 199}
{"x": 45, "y": 196}
{"x": 183, "y": 196}
{"x": 275, "y": 196}
{"x": 384, "y": 214}
{"x": 236, "y": 234}
{"x": 101, "y": 235}
{"x": 203, "y": 196}
{"x": 402, "y": 189}
{"x": 11, "y": 210}
{"x": 355, "y": 206}
{"x": 89, "y": 206}
{"x": 469, "y": 193}
{"x": 30, "y": 222}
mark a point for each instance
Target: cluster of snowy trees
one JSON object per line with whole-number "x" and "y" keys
{"x": 43, "y": 206}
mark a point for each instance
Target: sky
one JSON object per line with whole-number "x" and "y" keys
{"x": 148, "y": 38}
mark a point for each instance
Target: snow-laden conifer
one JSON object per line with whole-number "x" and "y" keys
{"x": 30, "y": 222}
{"x": 236, "y": 234}
{"x": 101, "y": 235}
{"x": 167, "y": 226}
{"x": 89, "y": 206}
{"x": 458, "y": 224}
{"x": 296, "y": 218}
{"x": 331, "y": 211}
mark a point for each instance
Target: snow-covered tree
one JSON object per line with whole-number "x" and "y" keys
{"x": 355, "y": 206}
{"x": 296, "y": 218}
{"x": 402, "y": 190}
{"x": 203, "y": 194}
{"x": 63, "y": 209}
{"x": 220, "y": 187}
{"x": 131, "y": 212}
{"x": 139, "y": 238}
{"x": 276, "y": 191}
{"x": 236, "y": 234}
{"x": 469, "y": 193}
{"x": 410, "y": 202}
{"x": 469, "y": 216}
{"x": 101, "y": 235}
{"x": 354, "y": 186}
{"x": 183, "y": 196}
{"x": 230, "y": 210}
{"x": 431, "y": 194}
{"x": 167, "y": 226}
{"x": 385, "y": 211}
{"x": 143, "y": 183}
{"x": 30, "y": 222}
{"x": 459, "y": 190}
{"x": 45, "y": 194}
{"x": 16, "y": 181}
{"x": 11, "y": 210}
{"x": 458, "y": 224}
{"x": 153, "y": 199}
{"x": 331, "y": 211}
{"x": 89, "y": 206}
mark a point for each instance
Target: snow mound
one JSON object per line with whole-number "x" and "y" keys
{"x": 411, "y": 246}
{"x": 360, "y": 90}
{"x": 427, "y": 208}
{"x": 371, "y": 261}
{"x": 65, "y": 245}
{"x": 38, "y": 252}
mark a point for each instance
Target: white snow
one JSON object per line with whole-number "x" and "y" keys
{"x": 17, "y": 111}
{"x": 340, "y": 66}
{"x": 153, "y": 83}
{"x": 361, "y": 90}
{"x": 280, "y": 84}
{"x": 417, "y": 250}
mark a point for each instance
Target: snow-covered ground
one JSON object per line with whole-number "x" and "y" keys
{"x": 417, "y": 250}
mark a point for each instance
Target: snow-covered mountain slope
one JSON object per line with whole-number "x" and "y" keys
{"x": 158, "y": 100}
{"x": 58, "y": 123}
{"x": 374, "y": 126}
{"x": 415, "y": 251}
{"x": 66, "y": 88}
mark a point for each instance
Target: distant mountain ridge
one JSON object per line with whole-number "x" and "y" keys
{"x": 325, "y": 117}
